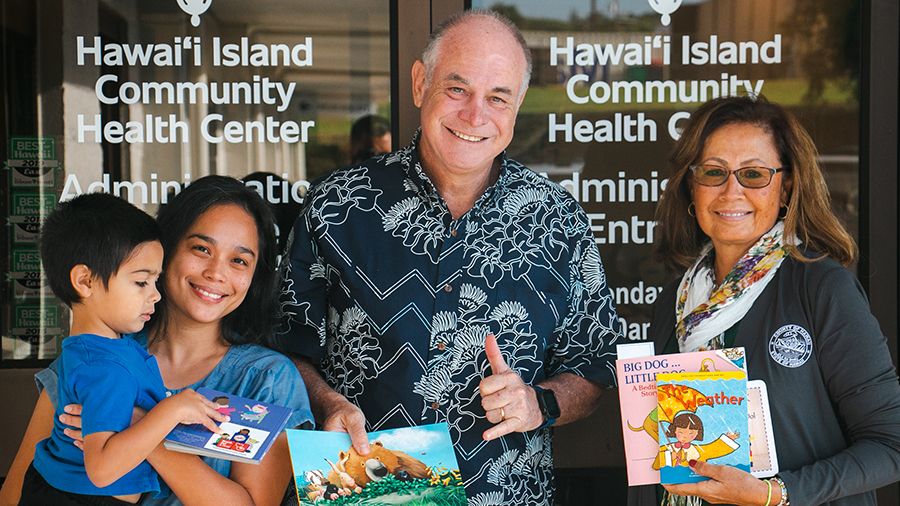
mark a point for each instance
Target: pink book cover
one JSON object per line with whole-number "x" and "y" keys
{"x": 638, "y": 401}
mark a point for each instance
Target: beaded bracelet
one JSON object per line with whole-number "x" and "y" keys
{"x": 784, "y": 496}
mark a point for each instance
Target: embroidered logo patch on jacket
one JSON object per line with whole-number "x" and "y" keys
{"x": 790, "y": 346}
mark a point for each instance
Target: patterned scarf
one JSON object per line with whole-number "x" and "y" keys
{"x": 703, "y": 312}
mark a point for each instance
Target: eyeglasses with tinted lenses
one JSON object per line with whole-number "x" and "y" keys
{"x": 748, "y": 177}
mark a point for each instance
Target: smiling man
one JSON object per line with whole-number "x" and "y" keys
{"x": 445, "y": 282}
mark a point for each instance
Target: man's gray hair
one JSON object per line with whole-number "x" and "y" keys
{"x": 430, "y": 55}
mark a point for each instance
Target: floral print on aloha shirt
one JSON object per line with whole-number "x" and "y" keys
{"x": 393, "y": 298}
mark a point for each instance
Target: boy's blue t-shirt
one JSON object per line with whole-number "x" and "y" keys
{"x": 108, "y": 377}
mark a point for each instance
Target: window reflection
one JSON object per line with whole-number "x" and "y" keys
{"x": 613, "y": 79}
{"x": 154, "y": 96}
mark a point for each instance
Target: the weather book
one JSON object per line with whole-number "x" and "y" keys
{"x": 702, "y": 416}
{"x": 636, "y": 378}
{"x": 247, "y": 437}
{"x": 412, "y": 465}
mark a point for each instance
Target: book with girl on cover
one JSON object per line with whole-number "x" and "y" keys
{"x": 702, "y": 416}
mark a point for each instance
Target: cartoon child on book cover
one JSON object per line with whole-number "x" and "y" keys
{"x": 222, "y": 405}
{"x": 686, "y": 428}
{"x": 240, "y": 441}
{"x": 255, "y": 413}
{"x": 243, "y": 436}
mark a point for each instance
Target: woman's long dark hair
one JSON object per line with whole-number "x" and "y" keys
{"x": 253, "y": 320}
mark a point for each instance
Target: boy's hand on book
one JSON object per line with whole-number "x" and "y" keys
{"x": 726, "y": 485}
{"x": 189, "y": 407}
{"x": 507, "y": 401}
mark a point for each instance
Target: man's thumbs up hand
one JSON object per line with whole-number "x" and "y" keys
{"x": 507, "y": 401}
{"x": 494, "y": 356}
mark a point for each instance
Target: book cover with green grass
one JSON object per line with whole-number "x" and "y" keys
{"x": 410, "y": 466}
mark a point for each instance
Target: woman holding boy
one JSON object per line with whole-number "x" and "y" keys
{"x": 217, "y": 288}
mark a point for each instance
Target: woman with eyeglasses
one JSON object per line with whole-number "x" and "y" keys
{"x": 746, "y": 217}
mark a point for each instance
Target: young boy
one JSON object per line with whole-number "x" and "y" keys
{"x": 102, "y": 258}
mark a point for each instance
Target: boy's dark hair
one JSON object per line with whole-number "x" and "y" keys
{"x": 686, "y": 421}
{"x": 95, "y": 229}
{"x": 254, "y": 319}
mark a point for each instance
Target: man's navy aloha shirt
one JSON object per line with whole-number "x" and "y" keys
{"x": 393, "y": 299}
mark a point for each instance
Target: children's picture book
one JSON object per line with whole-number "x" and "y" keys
{"x": 702, "y": 416}
{"x": 763, "y": 457}
{"x": 637, "y": 398}
{"x": 413, "y": 465}
{"x": 247, "y": 437}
